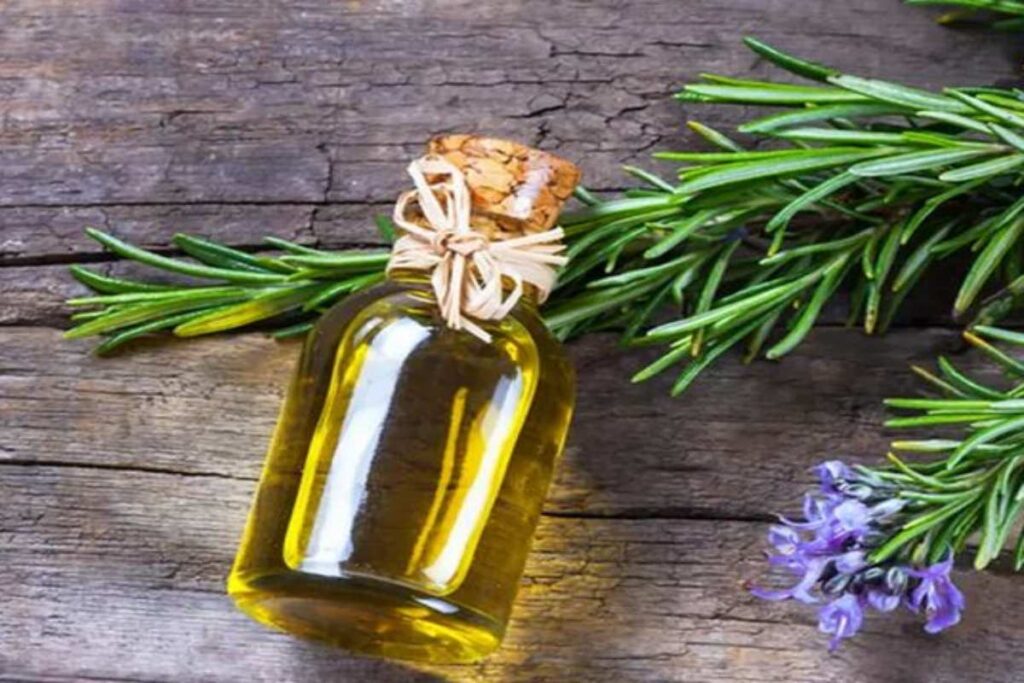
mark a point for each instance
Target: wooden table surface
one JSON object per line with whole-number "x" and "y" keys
{"x": 125, "y": 482}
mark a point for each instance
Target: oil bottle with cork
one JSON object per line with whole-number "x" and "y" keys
{"x": 417, "y": 439}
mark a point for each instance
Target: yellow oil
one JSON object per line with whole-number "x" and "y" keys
{"x": 405, "y": 478}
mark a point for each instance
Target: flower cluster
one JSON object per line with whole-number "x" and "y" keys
{"x": 829, "y": 553}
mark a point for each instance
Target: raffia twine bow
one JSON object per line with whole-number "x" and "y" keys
{"x": 467, "y": 269}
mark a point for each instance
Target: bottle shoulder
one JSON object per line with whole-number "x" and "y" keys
{"x": 409, "y": 307}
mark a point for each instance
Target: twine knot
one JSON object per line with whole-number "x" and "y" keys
{"x": 467, "y": 269}
{"x": 466, "y": 243}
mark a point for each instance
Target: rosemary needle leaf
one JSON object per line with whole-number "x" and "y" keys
{"x": 1007, "y": 6}
{"x": 710, "y": 288}
{"x": 1003, "y": 115}
{"x": 809, "y": 312}
{"x": 678, "y": 232}
{"x": 651, "y": 179}
{"x": 688, "y": 375}
{"x": 845, "y": 137}
{"x": 918, "y": 260}
{"x": 145, "y": 312}
{"x": 86, "y": 315}
{"x": 339, "y": 261}
{"x": 932, "y": 420}
{"x": 984, "y": 169}
{"x": 774, "y": 122}
{"x": 589, "y": 305}
{"x": 713, "y": 136}
{"x": 112, "y": 285}
{"x": 917, "y": 161}
{"x": 777, "y": 293}
{"x": 808, "y": 199}
{"x": 586, "y": 196}
{"x": 983, "y": 437}
{"x": 117, "y": 340}
{"x": 675, "y": 355}
{"x": 385, "y": 227}
{"x": 956, "y": 120}
{"x": 1000, "y": 334}
{"x": 328, "y": 293}
{"x": 1007, "y": 362}
{"x": 215, "y": 254}
{"x": 818, "y": 247}
{"x": 987, "y": 262}
{"x": 1008, "y": 136}
{"x": 932, "y": 203}
{"x": 912, "y": 98}
{"x": 141, "y": 255}
{"x": 964, "y": 385}
{"x": 616, "y": 209}
{"x": 800, "y": 67}
{"x": 813, "y": 160}
{"x": 291, "y": 247}
{"x": 266, "y": 305}
{"x": 917, "y": 527}
{"x": 295, "y": 330}
{"x": 766, "y": 94}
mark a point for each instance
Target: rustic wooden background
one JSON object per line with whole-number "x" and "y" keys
{"x": 124, "y": 483}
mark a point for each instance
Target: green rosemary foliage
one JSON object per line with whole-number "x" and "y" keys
{"x": 866, "y": 184}
{"x": 862, "y": 184}
{"x": 293, "y": 288}
{"x": 1009, "y": 13}
{"x": 973, "y": 488}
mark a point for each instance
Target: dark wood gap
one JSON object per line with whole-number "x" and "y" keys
{"x": 671, "y": 512}
{"x": 118, "y": 467}
{"x": 639, "y": 513}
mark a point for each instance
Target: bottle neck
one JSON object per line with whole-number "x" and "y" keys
{"x": 419, "y": 279}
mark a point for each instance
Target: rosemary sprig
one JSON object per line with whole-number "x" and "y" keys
{"x": 877, "y": 538}
{"x": 294, "y": 289}
{"x": 978, "y": 472}
{"x": 862, "y": 185}
{"x": 865, "y": 185}
{"x": 1009, "y": 13}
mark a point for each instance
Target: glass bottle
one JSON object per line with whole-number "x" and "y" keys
{"x": 410, "y": 461}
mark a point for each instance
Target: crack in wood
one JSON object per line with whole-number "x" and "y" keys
{"x": 119, "y": 467}
{"x": 666, "y": 512}
{"x": 648, "y": 513}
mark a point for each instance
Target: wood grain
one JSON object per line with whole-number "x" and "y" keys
{"x": 125, "y": 481}
{"x": 137, "y": 102}
{"x": 737, "y": 446}
{"x": 113, "y": 579}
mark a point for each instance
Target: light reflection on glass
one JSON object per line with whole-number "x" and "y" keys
{"x": 330, "y": 542}
{"x": 494, "y": 428}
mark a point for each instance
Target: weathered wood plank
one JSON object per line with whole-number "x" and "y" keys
{"x": 737, "y": 445}
{"x": 125, "y": 482}
{"x": 58, "y": 232}
{"x": 34, "y": 234}
{"x": 119, "y": 576}
{"x": 140, "y": 102}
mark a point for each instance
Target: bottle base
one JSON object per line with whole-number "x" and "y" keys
{"x": 367, "y": 616}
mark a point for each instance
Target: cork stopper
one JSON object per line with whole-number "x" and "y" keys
{"x": 515, "y": 190}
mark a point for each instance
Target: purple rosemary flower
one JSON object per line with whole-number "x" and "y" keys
{"x": 831, "y": 473}
{"x": 941, "y": 600}
{"x": 827, "y": 552}
{"x": 841, "y": 618}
